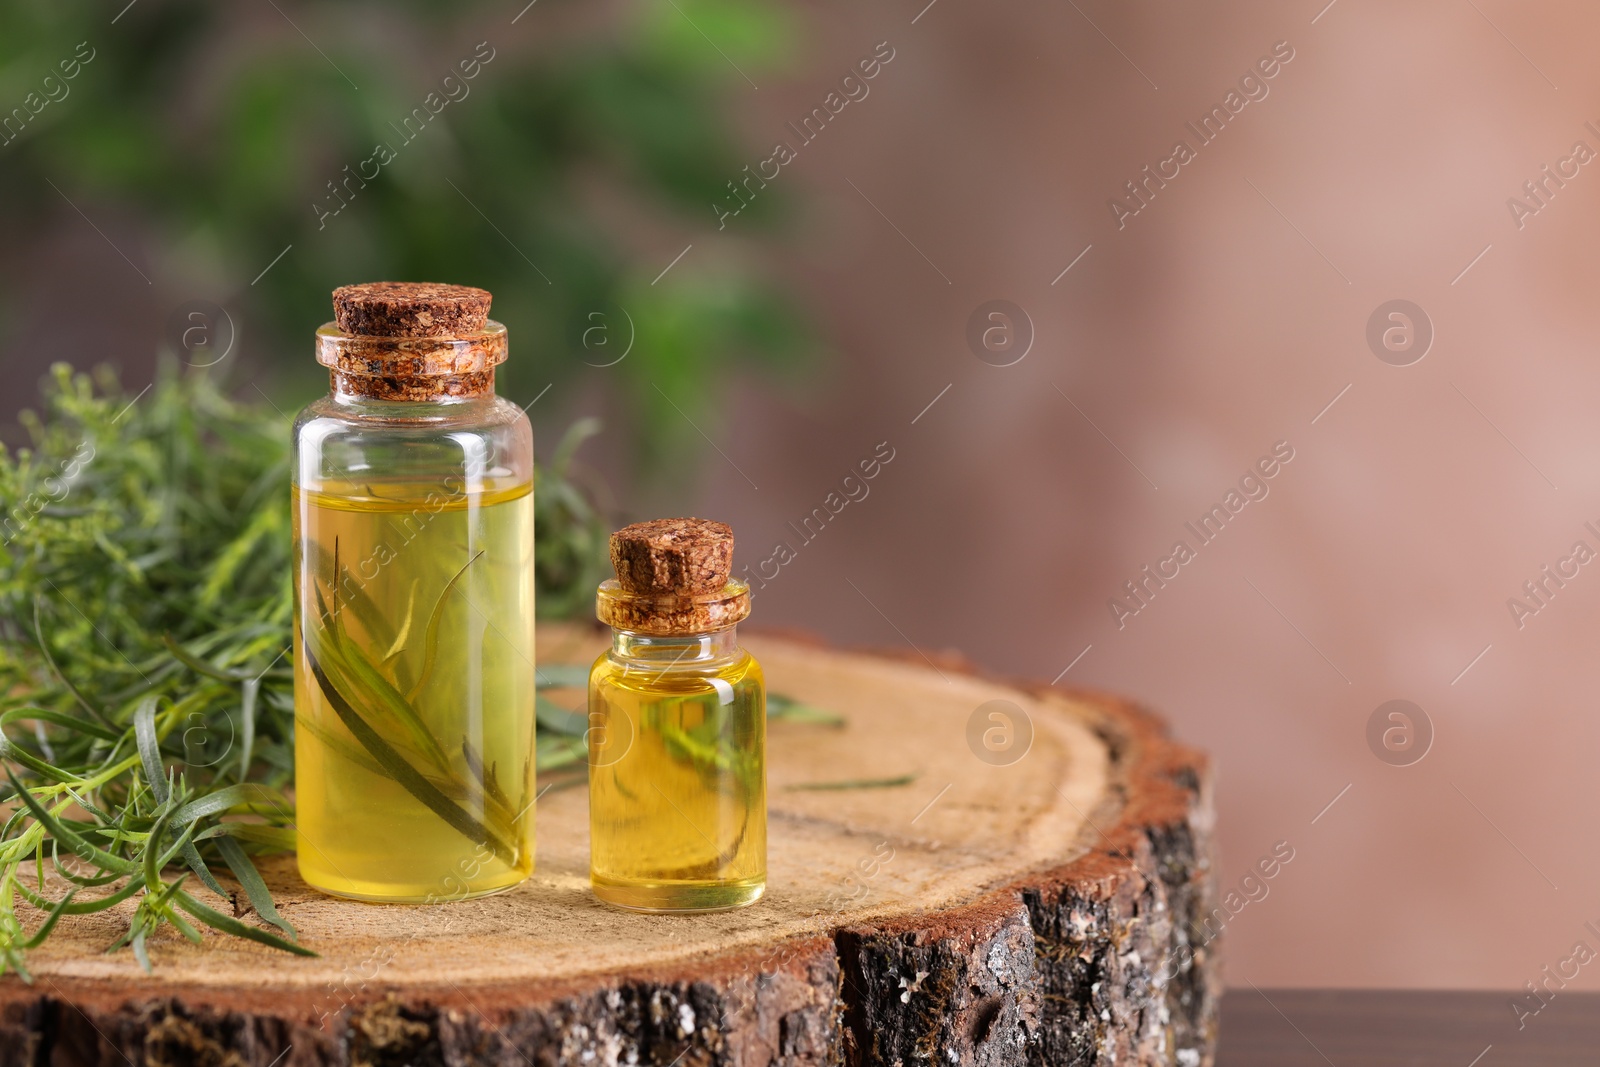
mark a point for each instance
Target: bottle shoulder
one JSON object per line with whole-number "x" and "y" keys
{"x": 483, "y": 442}
{"x": 739, "y": 670}
{"x": 333, "y": 414}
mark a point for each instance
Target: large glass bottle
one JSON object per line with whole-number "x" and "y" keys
{"x": 414, "y": 611}
{"x": 677, "y": 727}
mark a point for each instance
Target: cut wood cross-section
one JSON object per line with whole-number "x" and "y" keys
{"x": 1034, "y": 895}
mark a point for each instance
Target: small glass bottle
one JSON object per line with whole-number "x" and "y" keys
{"x": 677, "y": 727}
{"x": 414, "y": 585}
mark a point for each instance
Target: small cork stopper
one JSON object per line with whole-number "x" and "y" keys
{"x": 410, "y": 309}
{"x": 674, "y": 576}
{"x": 673, "y": 557}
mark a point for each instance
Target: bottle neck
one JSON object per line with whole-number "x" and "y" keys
{"x": 660, "y": 652}
{"x": 415, "y": 369}
{"x": 345, "y": 386}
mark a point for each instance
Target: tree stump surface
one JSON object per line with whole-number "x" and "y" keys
{"x": 1036, "y": 909}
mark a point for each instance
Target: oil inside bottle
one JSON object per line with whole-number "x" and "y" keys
{"x": 677, "y": 780}
{"x": 414, "y": 689}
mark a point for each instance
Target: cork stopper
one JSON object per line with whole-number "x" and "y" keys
{"x": 666, "y": 557}
{"x": 673, "y": 577}
{"x": 411, "y": 341}
{"x": 410, "y": 309}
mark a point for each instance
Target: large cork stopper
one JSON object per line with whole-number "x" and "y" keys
{"x": 674, "y": 576}
{"x": 412, "y": 341}
{"x": 410, "y": 309}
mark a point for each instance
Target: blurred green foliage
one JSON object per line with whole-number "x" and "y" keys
{"x": 225, "y": 128}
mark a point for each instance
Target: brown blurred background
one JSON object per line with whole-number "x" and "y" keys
{"x": 1229, "y": 314}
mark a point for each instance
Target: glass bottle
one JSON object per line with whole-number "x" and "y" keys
{"x": 677, "y": 727}
{"x": 414, "y": 610}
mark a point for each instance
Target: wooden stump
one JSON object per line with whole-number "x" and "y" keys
{"x": 1040, "y": 904}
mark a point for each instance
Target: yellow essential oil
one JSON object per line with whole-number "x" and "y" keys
{"x": 677, "y": 778}
{"x": 427, "y": 636}
{"x": 414, "y": 604}
{"x": 677, "y": 730}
